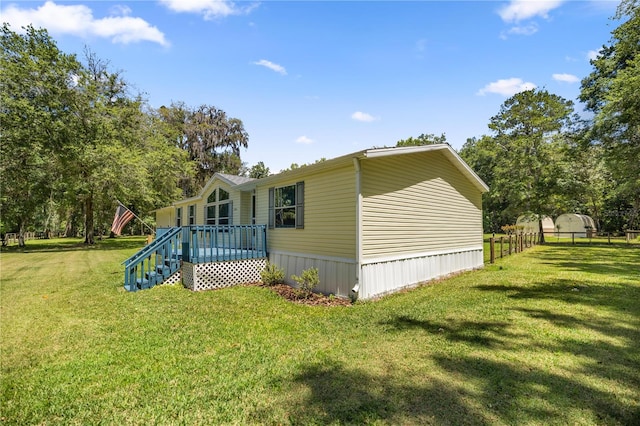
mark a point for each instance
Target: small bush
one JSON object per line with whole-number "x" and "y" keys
{"x": 308, "y": 280}
{"x": 271, "y": 274}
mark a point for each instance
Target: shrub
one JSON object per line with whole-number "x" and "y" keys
{"x": 308, "y": 280}
{"x": 271, "y": 274}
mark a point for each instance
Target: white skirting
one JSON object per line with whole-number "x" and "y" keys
{"x": 380, "y": 277}
{"x": 337, "y": 275}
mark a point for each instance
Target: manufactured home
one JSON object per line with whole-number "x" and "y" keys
{"x": 372, "y": 222}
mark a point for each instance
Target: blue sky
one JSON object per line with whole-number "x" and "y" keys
{"x": 322, "y": 79}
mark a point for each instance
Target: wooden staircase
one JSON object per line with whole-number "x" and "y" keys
{"x": 155, "y": 263}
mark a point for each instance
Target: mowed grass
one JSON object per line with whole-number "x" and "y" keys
{"x": 548, "y": 336}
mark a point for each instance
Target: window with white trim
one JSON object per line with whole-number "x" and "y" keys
{"x": 218, "y": 210}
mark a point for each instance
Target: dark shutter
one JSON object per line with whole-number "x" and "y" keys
{"x": 300, "y": 205}
{"x": 230, "y": 212}
{"x": 272, "y": 212}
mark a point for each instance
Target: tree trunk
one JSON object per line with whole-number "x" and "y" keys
{"x": 21, "y": 242}
{"x": 71, "y": 229}
{"x": 541, "y": 231}
{"x": 88, "y": 220}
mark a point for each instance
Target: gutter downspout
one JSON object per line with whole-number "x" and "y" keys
{"x": 356, "y": 288}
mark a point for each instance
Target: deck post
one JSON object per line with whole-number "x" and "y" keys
{"x": 186, "y": 253}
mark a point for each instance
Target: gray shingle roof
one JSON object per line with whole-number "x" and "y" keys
{"x": 236, "y": 180}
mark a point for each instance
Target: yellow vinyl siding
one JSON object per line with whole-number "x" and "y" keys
{"x": 416, "y": 204}
{"x": 329, "y": 218}
{"x": 165, "y": 217}
{"x": 242, "y": 209}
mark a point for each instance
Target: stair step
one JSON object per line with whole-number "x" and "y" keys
{"x": 143, "y": 283}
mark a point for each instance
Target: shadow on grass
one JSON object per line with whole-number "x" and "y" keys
{"x": 485, "y": 334}
{"x": 517, "y": 394}
{"x": 75, "y": 244}
{"x": 622, "y": 298}
{"x": 342, "y": 395}
{"x": 620, "y": 260}
{"x": 508, "y": 394}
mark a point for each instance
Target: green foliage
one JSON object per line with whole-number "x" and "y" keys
{"x": 36, "y": 88}
{"x": 211, "y": 139}
{"x": 308, "y": 280}
{"x": 259, "y": 170}
{"x": 75, "y": 140}
{"x": 611, "y": 92}
{"x": 272, "y": 274}
{"x": 423, "y": 139}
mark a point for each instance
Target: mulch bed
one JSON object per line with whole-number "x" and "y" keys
{"x": 313, "y": 299}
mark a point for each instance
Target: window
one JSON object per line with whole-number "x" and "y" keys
{"x": 179, "y": 216}
{"x": 219, "y": 208}
{"x": 286, "y": 206}
{"x": 192, "y": 214}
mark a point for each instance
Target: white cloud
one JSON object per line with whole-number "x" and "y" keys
{"x": 209, "y": 9}
{"x": 304, "y": 140}
{"x": 566, "y": 78}
{"x": 520, "y": 10}
{"x": 506, "y": 87}
{"x": 274, "y": 67}
{"x": 526, "y": 30}
{"x": 592, "y": 55}
{"x": 78, "y": 20}
{"x": 363, "y": 116}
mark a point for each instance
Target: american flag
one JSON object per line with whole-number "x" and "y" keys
{"x": 122, "y": 217}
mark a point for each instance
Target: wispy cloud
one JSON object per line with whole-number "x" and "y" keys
{"x": 209, "y": 9}
{"x": 363, "y": 116}
{"x": 566, "y": 78}
{"x": 304, "y": 140}
{"x": 592, "y": 55}
{"x": 520, "y": 10}
{"x": 525, "y": 30}
{"x": 506, "y": 87}
{"x": 272, "y": 66}
{"x": 78, "y": 20}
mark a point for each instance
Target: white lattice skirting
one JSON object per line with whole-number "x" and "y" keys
{"x": 174, "y": 278}
{"x": 211, "y": 276}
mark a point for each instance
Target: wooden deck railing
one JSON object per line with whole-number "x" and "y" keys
{"x": 202, "y": 244}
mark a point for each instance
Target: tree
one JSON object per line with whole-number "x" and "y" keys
{"x": 482, "y": 156}
{"x": 423, "y": 139}
{"x": 612, "y": 93}
{"x": 259, "y": 170}
{"x": 36, "y": 85}
{"x": 522, "y": 160}
{"x": 211, "y": 139}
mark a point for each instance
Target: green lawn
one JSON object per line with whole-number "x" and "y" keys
{"x": 548, "y": 336}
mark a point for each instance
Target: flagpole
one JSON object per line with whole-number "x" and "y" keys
{"x": 136, "y": 216}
